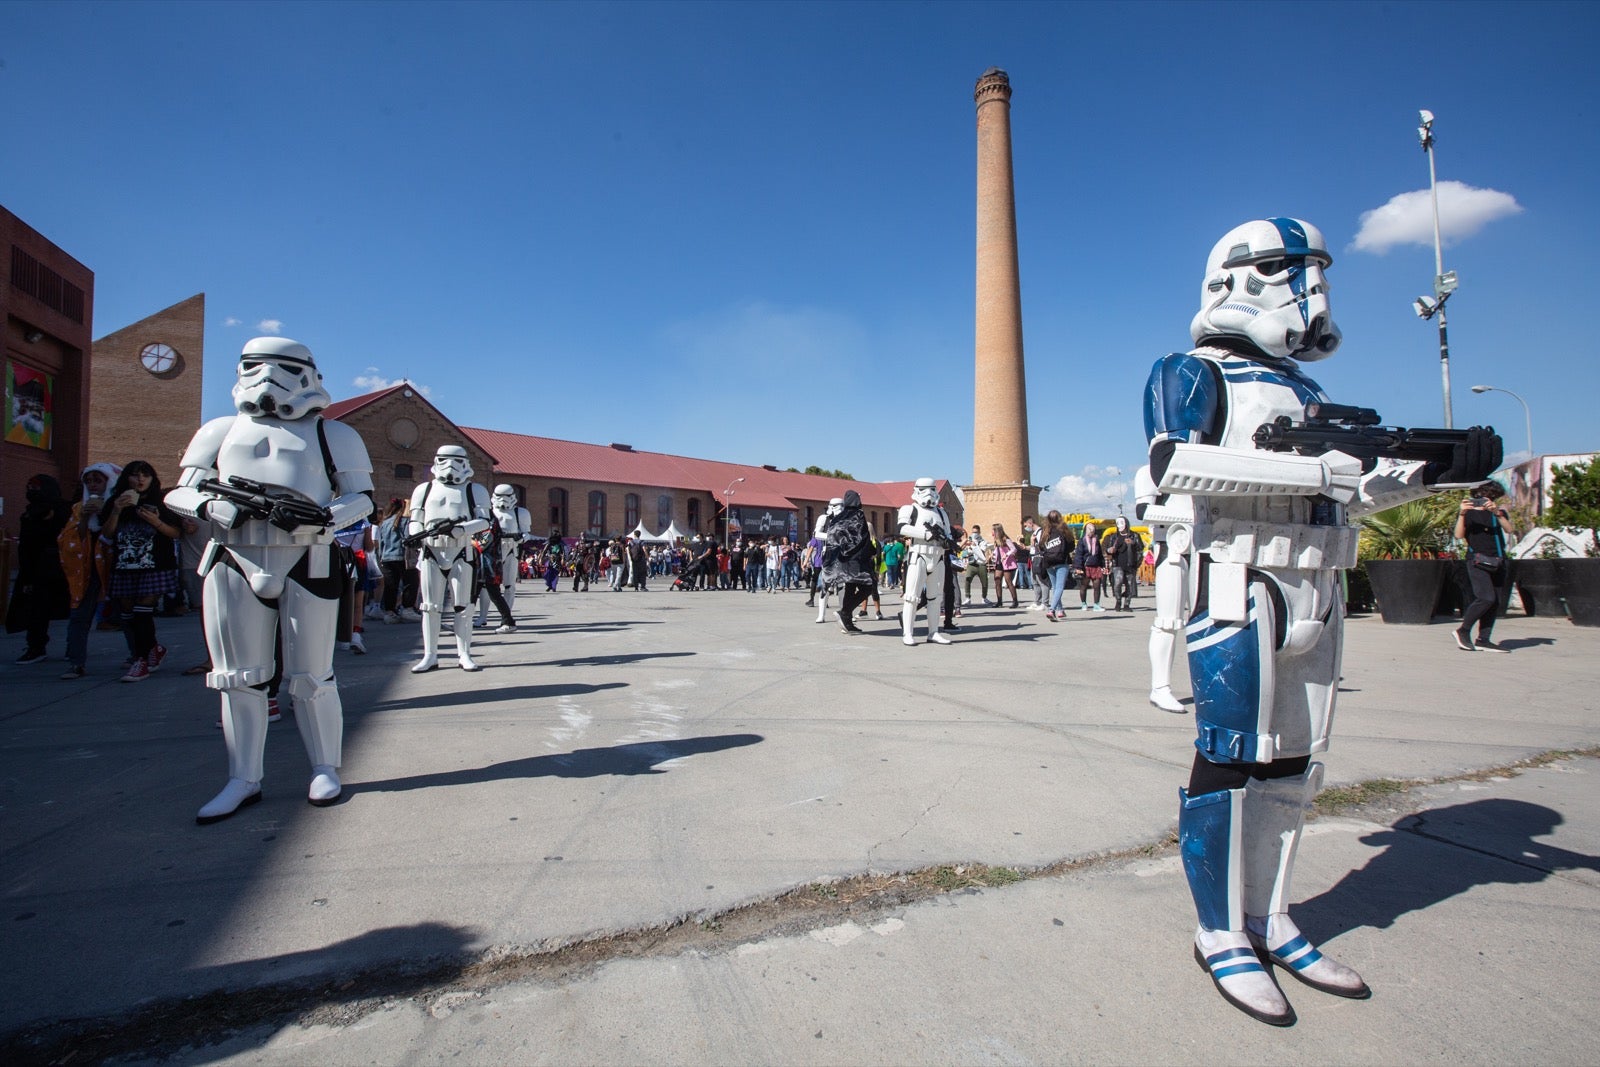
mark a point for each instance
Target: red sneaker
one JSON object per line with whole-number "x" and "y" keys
{"x": 155, "y": 657}
{"x": 138, "y": 672}
{"x": 273, "y": 714}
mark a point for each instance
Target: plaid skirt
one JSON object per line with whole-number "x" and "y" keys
{"x": 132, "y": 585}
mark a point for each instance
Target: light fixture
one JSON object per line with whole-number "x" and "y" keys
{"x": 33, "y": 337}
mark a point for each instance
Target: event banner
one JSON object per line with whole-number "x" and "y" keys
{"x": 30, "y": 406}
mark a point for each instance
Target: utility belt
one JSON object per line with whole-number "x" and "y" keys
{"x": 1278, "y": 546}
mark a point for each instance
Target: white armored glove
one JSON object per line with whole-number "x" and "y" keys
{"x": 1344, "y": 476}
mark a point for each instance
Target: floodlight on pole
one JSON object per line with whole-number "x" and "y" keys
{"x": 1443, "y": 284}
{"x": 1527, "y": 415}
{"x": 727, "y": 521}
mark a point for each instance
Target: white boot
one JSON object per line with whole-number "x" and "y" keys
{"x": 822, "y": 605}
{"x": 430, "y": 643}
{"x": 934, "y": 636}
{"x": 1239, "y": 976}
{"x": 908, "y": 622}
{"x": 1282, "y": 942}
{"x": 1166, "y": 701}
{"x": 325, "y": 787}
{"x": 237, "y": 794}
{"x": 464, "y": 642}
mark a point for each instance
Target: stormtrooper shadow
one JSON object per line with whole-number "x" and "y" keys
{"x": 619, "y": 760}
{"x": 1435, "y": 855}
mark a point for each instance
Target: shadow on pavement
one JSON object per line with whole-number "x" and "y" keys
{"x": 1489, "y": 842}
{"x": 639, "y": 758}
{"x": 487, "y": 696}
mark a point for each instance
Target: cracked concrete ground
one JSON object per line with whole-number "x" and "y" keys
{"x": 628, "y": 762}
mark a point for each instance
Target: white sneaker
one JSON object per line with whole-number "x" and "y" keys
{"x": 357, "y": 645}
{"x": 937, "y": 638}
{"x": 506, "y": 628}
{"x": 1164, "y": 699}
{"x": 391, "y": 617}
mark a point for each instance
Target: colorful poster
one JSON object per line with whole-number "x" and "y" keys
{"x": 30, "y": 406}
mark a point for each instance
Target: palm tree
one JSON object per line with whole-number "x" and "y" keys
{"x": 1416, "y": 530}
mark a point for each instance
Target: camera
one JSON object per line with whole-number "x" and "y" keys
{"x": 1478, "y": 501}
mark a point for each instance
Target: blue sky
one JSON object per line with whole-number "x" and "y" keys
{"x": 745, "y": 231}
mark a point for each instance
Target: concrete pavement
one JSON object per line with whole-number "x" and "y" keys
{"x": 628, "y": 760}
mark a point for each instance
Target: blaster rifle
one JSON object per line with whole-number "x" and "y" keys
{"x": 257, "y": 500}
{"x": 433, "y": 529}
{"x": 1453, "y": 455}
{"x": 937, "y": 535}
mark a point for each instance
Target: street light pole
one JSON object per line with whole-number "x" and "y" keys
{"x": 1527, "y": 415}
{"x": 727, "y": 516}
{"x": 1443, "y": 284}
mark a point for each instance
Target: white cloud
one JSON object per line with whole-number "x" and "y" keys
{"x": 372, "y": 381}
{"x": 1407, "y": 219}
{"x": 1088, "y": 491}
{"x": 231, "y": 321}
{"x": 273, "y": 326}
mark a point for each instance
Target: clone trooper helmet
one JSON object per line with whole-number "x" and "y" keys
{"x": 1264, "y": 285}
{"x": 925, "y": 493}
{"x": 278, "y": 378}
{"x": 451, "y": 465}
{"x": 505, "y": 499}
{"x": 836, "y": 506}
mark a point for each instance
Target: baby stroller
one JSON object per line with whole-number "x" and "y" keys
{"x": 685, "y": 581}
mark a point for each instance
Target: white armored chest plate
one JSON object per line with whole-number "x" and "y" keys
{"x": 279, "y": 453}
{"x": 1258, "y": 393}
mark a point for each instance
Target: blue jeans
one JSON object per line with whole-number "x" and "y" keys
{"x": 81, "y": 621}
{"x": 1058, "y": 585}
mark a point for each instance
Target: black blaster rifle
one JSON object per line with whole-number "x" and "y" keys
{"x": 1453, "y": 456}
{"x": 937, "y": 535}
{"x": 257, "y": 500}
{"x": 433, "y": 529}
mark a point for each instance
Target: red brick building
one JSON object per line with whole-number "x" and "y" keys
{"x": 147, "y": 384}
{"x": 612, "y": 489}
{"x": 47, "y": 303}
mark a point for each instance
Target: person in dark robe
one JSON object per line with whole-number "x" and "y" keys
{"x": 847, "y": 560}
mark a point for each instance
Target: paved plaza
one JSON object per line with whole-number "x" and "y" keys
{"x": 629, "y": 760}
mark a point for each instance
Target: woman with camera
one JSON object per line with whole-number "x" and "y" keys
{"x": 1478, "y": 523}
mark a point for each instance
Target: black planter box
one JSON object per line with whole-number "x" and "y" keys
{"x": 1539, "y": 586}
{"x": 1407, "y": 589}
{"x": 1579, "y": 581}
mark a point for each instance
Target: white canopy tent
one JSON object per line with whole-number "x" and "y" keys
{"x": 639, "y": 533}
{"x": 672, "y": 535}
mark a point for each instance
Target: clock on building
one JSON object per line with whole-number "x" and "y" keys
{"x": 159, "y": 359}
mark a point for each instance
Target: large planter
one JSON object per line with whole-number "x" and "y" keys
{"x": 1579, "y": 582}
{"x": 1538, "y": 585}
{"x": 1407, "y": 589}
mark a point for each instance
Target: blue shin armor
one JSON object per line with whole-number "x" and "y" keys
{"x": 1209, "y": 839}
{"x": 1231, "y": 669}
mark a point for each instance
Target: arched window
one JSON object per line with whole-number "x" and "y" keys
{"x": 630, "y": 512}
{"x": 694, "y": 515}
{"x": 597, "y": 513}
{"x": 558, "y": 509}
{"x": 663, "y": 511}
{"x": 811, "y": 522}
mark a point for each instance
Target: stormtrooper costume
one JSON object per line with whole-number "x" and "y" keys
{"x": 257, "y": 570}
{"x": 516, "y": 526}
{"x": 924, "y": 523}
{"x": 1158, "y": 511}
{"x": 1262, "y": 546}
{"x": 834, "y": 509}
{"x": 450, "y": 509}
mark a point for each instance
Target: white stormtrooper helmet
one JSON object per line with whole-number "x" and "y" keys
{"x": 451, "y": 465}
{"x": 925, "y": 493}
{"x": 835, "y": 506}
{"x": 278, "y": 378}
{"x": 505, "y": 499}
{"x": 1264, "y": 285}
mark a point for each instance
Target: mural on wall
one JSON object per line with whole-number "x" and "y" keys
{"x": 30, "y": 406}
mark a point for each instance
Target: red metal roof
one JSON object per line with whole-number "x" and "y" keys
{"x": 340, "y": 408}
{"x": 548, "y": 457}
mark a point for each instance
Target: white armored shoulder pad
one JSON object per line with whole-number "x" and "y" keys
{"x": 1209, "y": 470}
{"x": 206, "y": 445}
{"x": 350, "y": 459}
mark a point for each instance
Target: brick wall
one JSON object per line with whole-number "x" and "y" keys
{"x": 405, "y": 430}
{"x": 134, "y": 414}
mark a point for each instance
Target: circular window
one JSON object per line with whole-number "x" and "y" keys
{"x": 159, "y": 359}
{"x": 404, "y": 433}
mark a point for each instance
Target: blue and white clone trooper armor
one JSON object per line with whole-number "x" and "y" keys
{"x": 446, "y": 513}
{"x": 275, "y": 481}
{"x": 1264, "y": 535}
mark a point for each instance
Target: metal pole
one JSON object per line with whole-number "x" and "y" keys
{"x": 1438, "y": 272}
